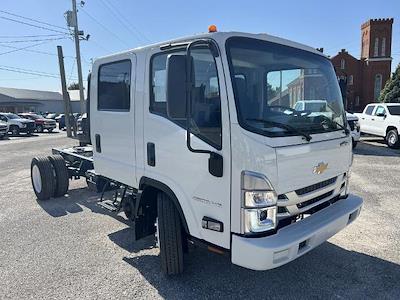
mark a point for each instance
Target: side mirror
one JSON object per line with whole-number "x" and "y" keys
{"x": 176, "y": 86}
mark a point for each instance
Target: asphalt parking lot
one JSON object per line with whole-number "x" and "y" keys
{"x": 71, "y": 248}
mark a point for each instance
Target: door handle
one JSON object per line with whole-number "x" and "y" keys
{"x": 372, "y": 119}
{"x": 362, "y": 118}
{"x": 98, "y": 144}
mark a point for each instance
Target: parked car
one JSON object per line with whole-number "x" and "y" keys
{"x": 41, "y": 122}
{"x": 314, "y": 107}
{"x": 382, "y": 119}
{"x": 52, "y": 116}
{"x": 354, "y": 126}
{"x": 3, "y": 129}
{"x": 61, "y": 121}
{"x": 18, "y": 124}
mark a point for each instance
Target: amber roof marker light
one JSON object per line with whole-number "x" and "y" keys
{"x": 212, "y": 28}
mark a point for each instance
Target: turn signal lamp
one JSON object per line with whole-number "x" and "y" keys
{"x": 212, "y": 28}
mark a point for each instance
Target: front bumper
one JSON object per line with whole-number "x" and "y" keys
{"x": 296, "y": 239}
{"x": 355, "y": 135}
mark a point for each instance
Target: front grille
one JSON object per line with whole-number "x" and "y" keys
{"x": 314, "y": 187}
{"x": 314, "y": 200}
{"x": 352, "y": 125}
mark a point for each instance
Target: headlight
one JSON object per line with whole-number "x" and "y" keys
{"x": 259, "y": 201}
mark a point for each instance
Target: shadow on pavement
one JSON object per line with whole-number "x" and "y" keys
{"x": 73, "y": 202}
{"x": 374, "y": 147}
{"x": 326, "y": 272}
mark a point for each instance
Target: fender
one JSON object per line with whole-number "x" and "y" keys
{"x": 145, "y": 181}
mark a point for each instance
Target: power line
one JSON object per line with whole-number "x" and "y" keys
{"x": 29, "y": 36}
{"x": 104, "y": 27}
{"x": 30, "y": 73}
{"x": 26, "y": 47}
{"x": 30, "y": 41}
{"x": 33, "y": 25}
{"x": 29, "y": 70}
{"x": 35, "y": 51}
{"x": 33, "y": 20}
{"x": 124, "y": 21}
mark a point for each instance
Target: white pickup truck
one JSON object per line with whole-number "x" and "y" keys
{"x": 382, "y": 119}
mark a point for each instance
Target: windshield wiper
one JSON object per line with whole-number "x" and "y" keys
{"x": 284, "y": 126}
{"x": 346, "y": 130}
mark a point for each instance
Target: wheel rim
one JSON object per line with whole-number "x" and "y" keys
{"x": 36, "y": 179}
{"x": 392, "y": 139}
{"x": 15, "y": 131}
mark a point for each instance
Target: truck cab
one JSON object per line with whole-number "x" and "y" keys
{"x": 211, "y": 121}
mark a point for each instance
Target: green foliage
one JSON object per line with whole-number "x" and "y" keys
{"x": 391, "y": 91}
{"x": 73, "y": 86}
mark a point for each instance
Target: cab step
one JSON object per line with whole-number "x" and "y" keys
{"x": 110, "y": 205}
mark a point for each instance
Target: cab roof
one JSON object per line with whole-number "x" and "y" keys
{"x": 220, "y": 38}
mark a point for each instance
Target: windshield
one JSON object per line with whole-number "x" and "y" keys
{"x": 394, "y": 110}
{"x": 13, "y": 116}
{"x": 276, "y": 84}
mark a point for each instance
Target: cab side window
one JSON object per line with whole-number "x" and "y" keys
{"x": 114, "y": 86}
{"x": 380, "y": 110}
{"x": 369, "y": 110}
{"x": 206, "y": 101}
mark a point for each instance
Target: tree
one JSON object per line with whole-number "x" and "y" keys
{"x": 73, "y": 86}
{"x": 391, "y": 91}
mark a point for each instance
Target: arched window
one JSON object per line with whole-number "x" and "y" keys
{"x": 377, "y": 86}
{"x": 383, "y": 47}
{"x": 376, "y": 47}
{"x": 342, "y": 64}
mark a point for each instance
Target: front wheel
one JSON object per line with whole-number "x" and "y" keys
{"x": 39, "y": 128}
{"x": 354, "y": 143}
{"x": 392, "y": 139}
{"x": 169, "y": 236}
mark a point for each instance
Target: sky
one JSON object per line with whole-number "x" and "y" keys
{"x": 116, "y": 25}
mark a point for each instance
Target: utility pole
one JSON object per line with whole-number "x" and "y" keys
{"x": 78, "y": 55}
{"x": 67, "y": 110}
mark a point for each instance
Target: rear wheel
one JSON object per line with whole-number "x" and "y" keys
{"x": 354, "y": 143}
{"x": 61, "y": 175}
{"x": 42, "y": 177}
{"x": 50, "y": 130}
{"x": 14, "y": 130}
{"x": 39, "y": 128}
{"x": 392, "y": 139}
{"x": 169, "y": 235}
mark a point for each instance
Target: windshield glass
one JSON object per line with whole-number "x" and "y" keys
{"x": 275, "y": 84}
{"x": 394, "y": 109}
{"x": 13, "y": 116}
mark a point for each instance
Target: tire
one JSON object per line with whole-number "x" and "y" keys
{"x": 62, "y": 177}
{"x": 354, "y": 143}
{"x": 39, "y": 128}
{"x": 42, "y": 178}
{"x": 50, "y": 130}
{"x": 392, "y": 139}
{"x": 14, "y": 130}
{"x": 169, "y": 231}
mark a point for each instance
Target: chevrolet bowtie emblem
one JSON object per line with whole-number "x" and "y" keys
{"x": 320, "y": 168}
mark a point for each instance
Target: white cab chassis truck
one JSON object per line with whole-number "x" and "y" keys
{"x": 200, "y": 141}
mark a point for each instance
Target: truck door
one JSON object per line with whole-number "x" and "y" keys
{"x": 378, "y": 121}
{"x": 201, "y": 195}
{"x": 112, "y": 118}
{"x": 366, "y": 117}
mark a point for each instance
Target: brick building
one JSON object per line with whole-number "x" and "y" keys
{"x": 363, "y": 79}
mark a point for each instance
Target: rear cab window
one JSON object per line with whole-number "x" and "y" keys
{"x": 369, "y": 109}
{"x": 114, "y": 85}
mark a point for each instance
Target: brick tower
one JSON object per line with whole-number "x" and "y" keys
{"x": 376, "y": 45}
